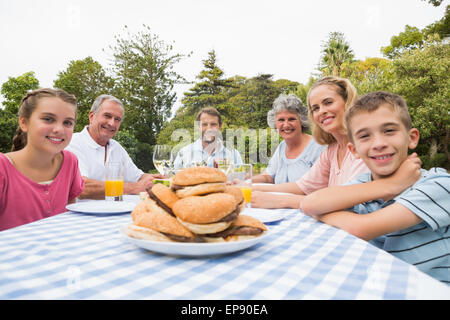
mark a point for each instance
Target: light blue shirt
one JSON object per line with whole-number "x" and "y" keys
{"x": 427, "y": 244}
{"x": 283, "y": 170}
{"x": 194, "y": 153}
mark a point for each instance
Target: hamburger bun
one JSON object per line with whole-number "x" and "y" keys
{"x": 243, "y": 228}
{"x": 200, "y": 189}
{"x": 147, "y": 214}
{"x": 207, "y": 214}
{"x": 198, "y": 181}
{"x": 237, "y": 194}
{"x": 198, "y": 175}
{"x": 163, "y": 196}
{"x": 142, "y": 233}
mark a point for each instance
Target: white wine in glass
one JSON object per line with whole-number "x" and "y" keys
{"x": 163, "y": 158}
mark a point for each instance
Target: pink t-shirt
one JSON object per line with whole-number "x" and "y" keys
{"x": 23, "y": 200}
{"x": 326, "y": 173}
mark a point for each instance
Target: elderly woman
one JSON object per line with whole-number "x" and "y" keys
{"x": 328, "y": 99}
{"x": 298, "y": 151}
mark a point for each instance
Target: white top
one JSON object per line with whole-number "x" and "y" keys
{"x": 91, "y": 157}
{"x": 283, "y": 170}
{"x": 194, "y": 152}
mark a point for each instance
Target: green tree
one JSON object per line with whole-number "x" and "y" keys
{"x": 143, "y": 65}
{"x": 413, "y": 38}
{"x": 209, "y": 91}
{"x": 371, "y": 74}
{"x": 302, "y": 90}
{"x": 13, "y": 90}
{"x": 422, "y": 78}
{"x": 435, "y": 3}
{"x": 254, "y": 98}
{"x": 86, "y": 79}
{"x": 409, "y": 39}
{"x": 336, "y": 55}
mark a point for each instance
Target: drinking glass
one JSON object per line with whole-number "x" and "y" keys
{"x": 243, "y": 172}
{"x": 114, "y": 181}
{"x": 163, "y": 158}
{"x": 226, "y": 166}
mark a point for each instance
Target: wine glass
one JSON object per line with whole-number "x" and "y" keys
{"x": 163, "y": 158}
{"x": 226, "y": 166}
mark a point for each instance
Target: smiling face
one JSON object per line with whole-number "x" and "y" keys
{"x": 327, "y": 108}
{"x": 210, "y": 127}
{"x": 288, "y": 125}
{"x": 105, "y": 124}
{"x": 50, "y": 126}
{"x": 381, "y": 140}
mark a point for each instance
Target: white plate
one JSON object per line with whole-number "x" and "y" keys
{"x": 281, "y": 193}
{"x": 265, "y": 215}
{"x": 131, "y": 198}
{"x": 189, "y": 249}
{"x": 102, "y": 207}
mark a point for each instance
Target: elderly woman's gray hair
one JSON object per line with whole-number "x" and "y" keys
{"x": 290, "y": 103}
{"x": 99, "y": 100}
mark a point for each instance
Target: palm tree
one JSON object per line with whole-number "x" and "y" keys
{"x": 336, "y": 53}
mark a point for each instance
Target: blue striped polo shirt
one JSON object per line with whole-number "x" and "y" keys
{"x": 427, "y": 244}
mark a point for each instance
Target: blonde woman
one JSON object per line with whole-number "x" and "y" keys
{"x": 327, "y": 101}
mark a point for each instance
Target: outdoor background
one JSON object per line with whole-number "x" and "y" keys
{"x": 168, "y": 59}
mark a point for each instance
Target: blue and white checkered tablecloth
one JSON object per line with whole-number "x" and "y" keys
{"x": 78, "y": 256}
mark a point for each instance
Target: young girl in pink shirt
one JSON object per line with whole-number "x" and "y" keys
{"x": 38, "y": 178}
{"x": 327, "y": 101}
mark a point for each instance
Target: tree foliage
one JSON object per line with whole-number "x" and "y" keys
{"x": 414, "y": 38}
{"x": 144, "y": 70}
{"x": 243, "y": 103}
{"x": 86, "y": 79}
{"x": 13, "y": 90}
{"x": 435, "y": 3}
{"x": 422, "y": 78}
{"x": 336, "y": 55}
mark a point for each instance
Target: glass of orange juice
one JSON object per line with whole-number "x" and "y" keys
{"x": 113, "y": 181}
{"x": 243, "y": 173}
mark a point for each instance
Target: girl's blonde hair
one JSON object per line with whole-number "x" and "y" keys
{"x": 346, "y": 90}
{"x": 28, "y": 105}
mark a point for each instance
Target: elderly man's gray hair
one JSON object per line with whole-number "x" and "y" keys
{"x": 290, "y": 103}
{"x": 99, "y": 100}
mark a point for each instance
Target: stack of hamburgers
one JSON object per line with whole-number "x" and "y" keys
{"x": 199, "y": 207}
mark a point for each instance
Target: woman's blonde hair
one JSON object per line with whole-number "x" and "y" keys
{"x": 346, "y": 90}
{"x": 28, "y": 105}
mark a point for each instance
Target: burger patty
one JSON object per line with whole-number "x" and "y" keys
{"x": 176, "y": 187}
{"x": 159, "y": 202}
{"x": 231, "y": 216}
{"x": 183, "y": 239}
{"x": 237, "y": 231}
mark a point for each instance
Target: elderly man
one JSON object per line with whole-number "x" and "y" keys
{"x": 94, "y": 146}
{"x": 209, "y": 148}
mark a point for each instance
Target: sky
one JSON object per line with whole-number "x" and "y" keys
{"x": 250, "y": 37}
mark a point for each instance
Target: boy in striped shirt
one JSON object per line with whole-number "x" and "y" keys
{"x": 399, "y": 207}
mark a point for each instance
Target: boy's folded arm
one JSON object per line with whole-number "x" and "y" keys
{"x": 371, "y": 225}
{"x": 342, "y": 197}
